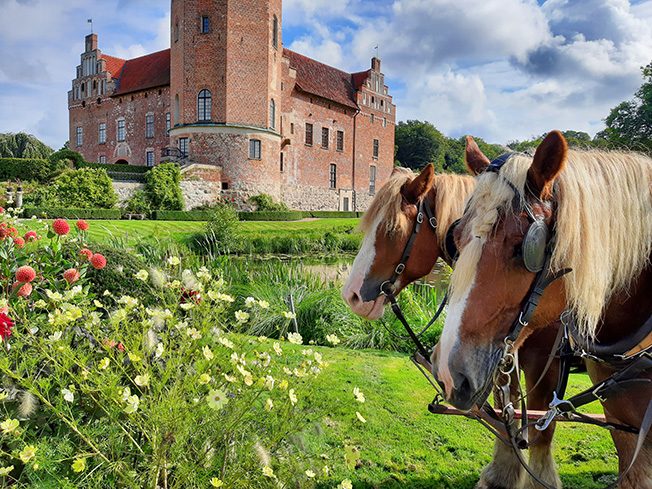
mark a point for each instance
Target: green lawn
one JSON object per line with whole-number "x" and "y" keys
{"x": 404, "y": 446}
{"x": 133, "y": 231}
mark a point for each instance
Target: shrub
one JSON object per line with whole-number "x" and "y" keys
{"x": 54, "y": 213}
{"x": 332, "y": 214}
{"x": 67, "y": 156}
{"x": 270, "y": 216}
{"x": 22, "y": 145}
{"x": 29, "y": 169}
{"x": 138, "y": 203}
{"x": 222, "y": 229}
{"x": 162, "y": 187}
{"x": 116, "y": 168}
{"x": 265, "y": 202}
{"x": 81, "y": 189}
{"x": 193, "y": 215}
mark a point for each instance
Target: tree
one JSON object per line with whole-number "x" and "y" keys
{"x": 629, "y": 124}
{"x": 455, "y": 149}
{"x": 419, "y": 143}
{"x": 578, "y": 139}
{"x": 22, "y": 145}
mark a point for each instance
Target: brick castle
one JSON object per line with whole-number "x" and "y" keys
{"x": 229, "y": 100}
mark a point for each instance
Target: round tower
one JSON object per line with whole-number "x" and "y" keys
{"x": 225, "y": 88}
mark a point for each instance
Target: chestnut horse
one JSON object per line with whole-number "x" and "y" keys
{"x": 597, "y": 207}
{"x": 387, "y": 225}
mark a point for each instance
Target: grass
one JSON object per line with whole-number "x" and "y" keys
{"x": 402, "y": 445}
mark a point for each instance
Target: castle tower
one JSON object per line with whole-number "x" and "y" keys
{"x": 225, "y": 86}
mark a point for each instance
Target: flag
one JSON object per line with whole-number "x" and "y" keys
{"x": 90, "y": 21}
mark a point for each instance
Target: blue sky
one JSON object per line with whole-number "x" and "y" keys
{"x": 499, "y": 69}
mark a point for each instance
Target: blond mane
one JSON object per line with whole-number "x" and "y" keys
{"x": 603, "y": 226}
{"x": 451, "y": 192}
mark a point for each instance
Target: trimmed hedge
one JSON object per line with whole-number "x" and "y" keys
{"x": 54, "y": 213}
{"x": 270, "y": 216}
{"x": 182, "y": 215}
{"x": 27, "y": 169}
{"x": 116, "y": 168}
{"x": 332, "y": 214}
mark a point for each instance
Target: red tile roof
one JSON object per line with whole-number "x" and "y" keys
{"x": 113, "y": 65}
{"x": 322, "y": 80}
{"x": 359, "y": 78}
{"x": 149, "y": 71}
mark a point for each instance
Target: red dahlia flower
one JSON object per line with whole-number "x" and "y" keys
{"x": 98, "y": 261}
{"x": 23, "y": 290}
{"x": 71, "y": 275}
{"x": 25, "y": 274}
{"x": 60, "y": 227}
{"x": 85, "y": 253}
{"x": 31, "y": 236}
{"x": 5, "y": 325}
{"x": 19, "y": 242}
{"x": 82, "y": 225}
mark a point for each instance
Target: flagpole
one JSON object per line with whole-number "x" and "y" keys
{"x": 90, "y": 21}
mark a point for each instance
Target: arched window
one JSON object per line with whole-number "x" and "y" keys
{"x": 272, "y": 114}
{"x": 275, "y": 32}
{"x": 204, "y": 101}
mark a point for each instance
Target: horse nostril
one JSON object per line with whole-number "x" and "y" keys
{"x": 354, "y": 298}
{"x": 462, "y": 385}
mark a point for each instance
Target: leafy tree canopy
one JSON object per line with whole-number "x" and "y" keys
{"x": 22, "y": 145}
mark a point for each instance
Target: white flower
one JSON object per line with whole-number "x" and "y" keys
{"x": 206, "y": 351}
{"x": 181, "y": 325}
{"x": 269, "y": 404}
{"x": 142, "y": 275}
{"x": 263, "y": 304}
{"x": 132, "y": 404}
{"x": 292, "y": 396}
{"x": 345, "y": 484}
{"x": 289, "y": 315}
{"x": 241, "y": 316}
{"x": 174, "y": 261}
{"x": 205, "y": 379}
{"x": 159, "y": 350}
{"x": 142, "y": 380}
{"x": 268, "y": 472}
{"x": 360, "y": 417}
{"x": 186, "y": 306}
{"x": 218, "y": 296}
{"x": 104, "y": 363}
{"x": 128, "y": 301}
{"x": 68, "y": 395}
{"x": 278, "y": 349}
{"x": 193, "y": 333}
{"x": 310, "y": 474}
{"x": 250, "y": 301}
{"x": 56, "y": 336}
{"x": 203, "y": 274}
{"x": 358, "y": 394}
{"x": 332, "y": 339}
{"x": 269, "y": 382}
{"x": 53, "y": 296}
{"x": 225, "y": 342}
{"x": 295, "y": 338}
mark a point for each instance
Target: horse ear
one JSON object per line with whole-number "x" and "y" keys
{"x": 549, "y": 161}
{"x": 475, "y": 159}
{"x": 415, "y": 190}
{"x": 395, "y": 170}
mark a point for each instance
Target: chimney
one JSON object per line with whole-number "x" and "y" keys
{"x": 91, "y": 43}
{"x": 375, "y": 64}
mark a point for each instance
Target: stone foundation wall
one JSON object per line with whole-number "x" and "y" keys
{"x": 195, "y": 192}
{"x": 125, "y": 190}
{"x": 308, "y": 198}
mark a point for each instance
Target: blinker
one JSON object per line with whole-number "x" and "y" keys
{"x": 534, "y": 246}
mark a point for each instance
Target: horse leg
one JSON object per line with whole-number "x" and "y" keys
{"x": 627, "y": 408}
{"x": 534, "y": 360}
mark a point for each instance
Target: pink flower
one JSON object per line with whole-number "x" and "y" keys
{"x": 31, "y": 236}
{"x": 60, "y": 227}
{"x": 85, "y": 253}
{"x": 5, "y": 324}
{"x": 98, "y": 261}
{"x": 19, "y": 242}
{"x": 25, "y": 274}
{"x": 71, "y": 275}
{"x": 82, "y": 225}
{"x": 22, "y": 290}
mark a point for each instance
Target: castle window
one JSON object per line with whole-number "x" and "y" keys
{"x": 308, "y": 134}
{"x": 272, "y": 114}
{"x": 204, "y": 102}
{"x": 225, "y": 185}
{"x": 372, "y": 179}
{"x": 183, "y": 147}
{"x": 149, "y": 126}
{"x": 80, "y": 135}
{"x": 275, "y": 32}
{"x": 281, "y": 163}
{"x": 254, "y": 149}
{"x": 149, "y": 158}
{"x": 376, "y": 148}
{"x": 168, "y": 122}
{"x": 121, "y": 130}
{"x": 291, "y": 127}
{"x": 102, "y": 159}
{"x": 333, "y": 176}
{"x": 324, "y": 137}
{"x": 101, "y": 137}
{"x": 340, "y": 141}
{"x": 176, "y": 31}
{"x": 372, "y": 118}
{"x": 205, "y": 27}
{"x": 384, "y": 121}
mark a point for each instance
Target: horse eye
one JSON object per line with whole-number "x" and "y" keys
{"x": 518, "y": 251}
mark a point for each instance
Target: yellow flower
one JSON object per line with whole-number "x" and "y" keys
{"x": 206, "y": 351}
{"x": 295, "y": 338}
{"x": 174, "y": 261}
{"x": 241, "y": 316}
{"x": 345, "y": 484}
{"x": 263, "y": 304}
{"x": 134, "y": 358}
{"x": 142, "y": 275}
{"x": 332, "y": 339}
{"x": 268, "y": 472}
{"x": 104, "y": 363}
{"x": 3, "y": 395}
{"x": 225, "y": 342}
{"x": 9, "y": 425}
{"x": 217, "y": 399}
{"x": 269, "y": 382}
{"x": 360, "y": 417}
{"x": 215, "y": 482}
{"x": 187, "y": 306}
{"x": 193, "y": 333}
{"x": 142, "y": 380}
{"x": 6, "y": 470}
{"x": 310, "y": 474}
{"x": 230, "y": 378}
{"x": 278, "y": 349}
{"x": 218, "y": 296}
{"x": 204, "y": 379}
{"x": 289, "y": 315}
{"x": 269, "y": 404}
{"x": 293, "y": 397}
{"x": 27, "y": 453}
{"x": 249, "y": 301}
{"x": 79, "y": 465}
{"x": 359, "y": 396}
{"x": 248, "y": 380}
{"x": 132, "y": 404}
{"x": 283, "y": 385}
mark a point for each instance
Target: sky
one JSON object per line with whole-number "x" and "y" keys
{"x": 499, "y": 69}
